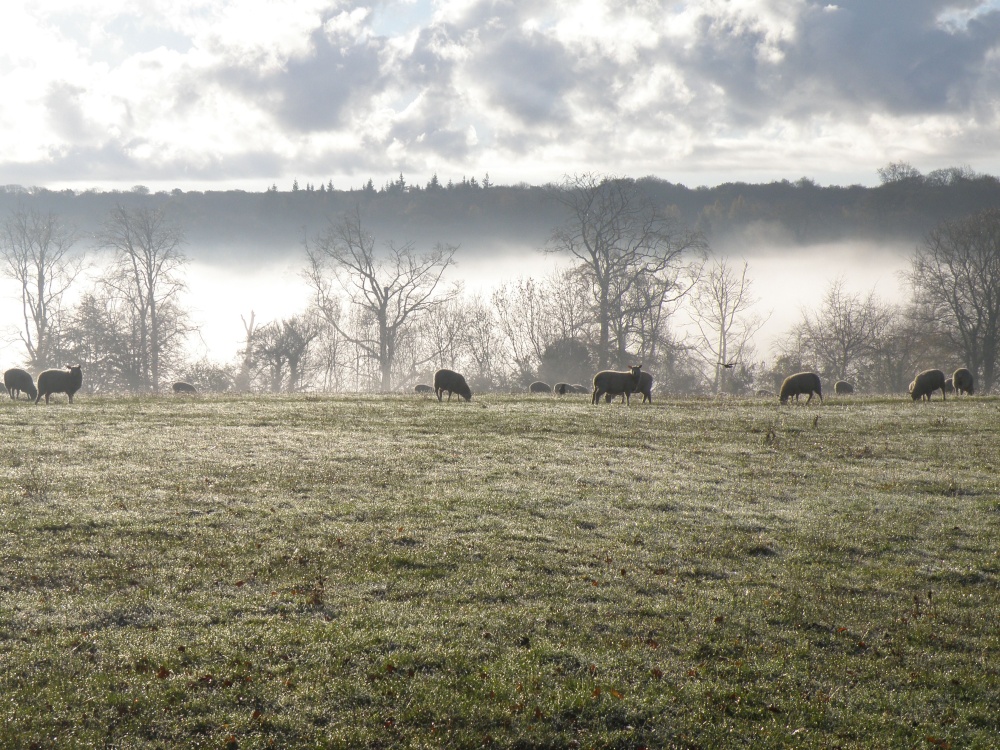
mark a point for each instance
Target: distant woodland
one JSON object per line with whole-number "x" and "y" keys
{"x": 476, "y": 214}
{"x": 385, "y": 308}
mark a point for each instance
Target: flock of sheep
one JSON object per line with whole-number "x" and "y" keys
{"x": 607, "y": 383}
{"x": 67, "y": 380}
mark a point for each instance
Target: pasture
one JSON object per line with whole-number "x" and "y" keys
{"x": 518, "y": 571}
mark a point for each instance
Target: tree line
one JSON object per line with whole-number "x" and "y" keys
{"x": 906, "y": 204}
{"x": 382, "y": 315}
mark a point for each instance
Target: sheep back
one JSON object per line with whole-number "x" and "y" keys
{"x": 616, "y": 383}
{"x": 423, "y": 388}
{"x": 181, "y": 387}
{"x": 925, "y": 383}
{"x": 67, "y": 380}
{"x": 962, "y": 381}
{"x": 453, "y": 382}
{"x": 798, "y": 384}
{"x": 18, "y": 381}
{"x": 539, "y": 387}
{"x": 949, "y": 385}
{"x": 561, "y": 389}
{"x": 842, "y": 388}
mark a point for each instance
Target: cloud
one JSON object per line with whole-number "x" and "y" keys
{"x": 702, "y": 89}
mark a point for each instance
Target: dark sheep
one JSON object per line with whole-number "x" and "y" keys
{"x": 843, "y": 388}
{"x": 66, "y": 381}
{"x": 562, "y": 389}
{"x": 18, "y": 381}
{"x": 616, "y": 383}
{"x": 182, "y": 387}
{"x": 963, "y": 382}
{"x": 764, "y": 392}
{"x": 645, "y": 388}
{"x": 925, "y": 383}
{"x": 949, "y": 386}
{"x": 577, "y": 388}
{"x": 801, "y": 383}
{"x": 539, "y": 387}
{"x": 423, "y": 388}
{"x": 453, "y": 382}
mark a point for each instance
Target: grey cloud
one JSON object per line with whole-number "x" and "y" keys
{"x": 875, "y": 55}
{"x": 62, "y": 102}
{"x": 111, "y": 161}
{"x": 527, "y": 74}
{"x": 314, "y": 92}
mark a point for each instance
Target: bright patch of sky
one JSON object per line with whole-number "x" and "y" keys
{"x": 958, "y": 18}
{"x": 401, "y": 18}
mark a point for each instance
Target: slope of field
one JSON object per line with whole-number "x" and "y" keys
{"x": 512, "y": 572}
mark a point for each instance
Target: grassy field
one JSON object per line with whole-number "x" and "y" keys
{"x": 250, "y": 572}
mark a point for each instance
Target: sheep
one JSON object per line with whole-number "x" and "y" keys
{"x": 799, "y": 383}
{"x": 18, "y": 381}
{"x": 423, "y": 388}
{"x": 561, "y": 389}
{"x": 182, "y": 387}
{"x": 645, "y": 388}
{"x": 949, "y": 386}
{"x": 763, "y": 392}
{"x": 962, "y": 380}
{"x": 577, "y": 388}
{"x": 615, "y": 383}
{"x": 843, "y": 388}
{"x": 925, "y": 383}
{"x": 539, "y": 387}
{"x": 66, "y": 381}
{"x": 453, "y": 382}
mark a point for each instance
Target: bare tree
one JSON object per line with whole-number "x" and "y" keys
{"x": 36, "y": 251}
{"x": 521, "y": 312}
{"x": 956, "y": 272}
{"x": 394, "y": 290}
{"x": 282, "y": 349}
{"x": 620, "y": 239}
{"x": 146, "y": 273}
{"x": 720, "y": 309}
{"x": 105, "y": 332}
{"x": 485, "y": 345}
{"x": 842, "y": 334}
{"x": 571, "y": 309}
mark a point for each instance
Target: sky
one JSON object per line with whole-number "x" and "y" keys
{"x": 222, "y": 94}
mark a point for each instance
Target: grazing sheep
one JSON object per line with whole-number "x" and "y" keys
{"x": 764, "y": 392}
{"x": 562, "y": 389}
{"x": 423, "y": 388}
{"x": 962, "y": 380}
{"x": 453, "y": 382}
{"x": 843, "y": 388}
{"x": 949, "y": 386}
{"x": 616, "y": 383}
{"x": 66, "y": 381}
{"x": 645, "y": 388}
{"x": 182, "y": 387}
{"x": 539, "y": 387}
{"x": 925, "y": 383}
{"x": 18, "y": 381}
{"x": 577, "y": 388}
{"x": 799, "y": 383}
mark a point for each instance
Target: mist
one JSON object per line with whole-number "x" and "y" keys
{"x": 790, "y": 280}
{"x": 221, "y": 292}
